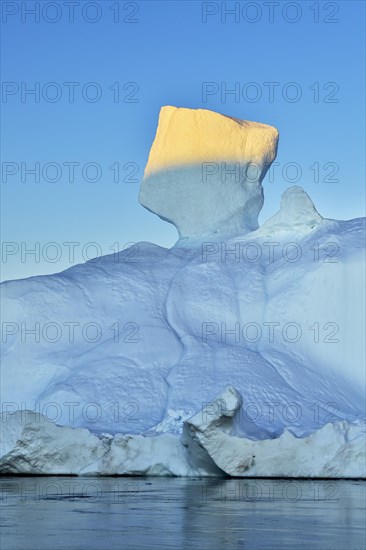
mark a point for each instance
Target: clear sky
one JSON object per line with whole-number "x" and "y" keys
{"x": 102, "y": 70}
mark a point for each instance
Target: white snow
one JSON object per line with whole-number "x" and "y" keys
{"x": 133, "y": 346}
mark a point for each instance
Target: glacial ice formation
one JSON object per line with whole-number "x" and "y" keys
{"x": 134, "y": 344}
{"x": 35, "y": 445}
{"x": 205, "y": 171}
{"x": 335, "y": 450}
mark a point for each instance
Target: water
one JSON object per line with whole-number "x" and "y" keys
{"x": 73, "y": 513}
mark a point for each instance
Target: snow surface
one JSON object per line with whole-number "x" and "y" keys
{"x": 138, "y": 342}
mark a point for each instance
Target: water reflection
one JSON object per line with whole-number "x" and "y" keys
{"x": 72, "y": 513}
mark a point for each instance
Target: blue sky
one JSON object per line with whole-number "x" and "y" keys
{"x": 154, "y": 54}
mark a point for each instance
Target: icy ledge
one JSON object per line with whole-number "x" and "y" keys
{"x": 35, "y": 445}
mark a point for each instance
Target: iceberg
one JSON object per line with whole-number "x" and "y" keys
{"x": 106, "y": 365}
{"x": 35, "y": 445}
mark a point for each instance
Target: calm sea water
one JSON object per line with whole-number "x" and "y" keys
{"x": 72, "y": 513}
